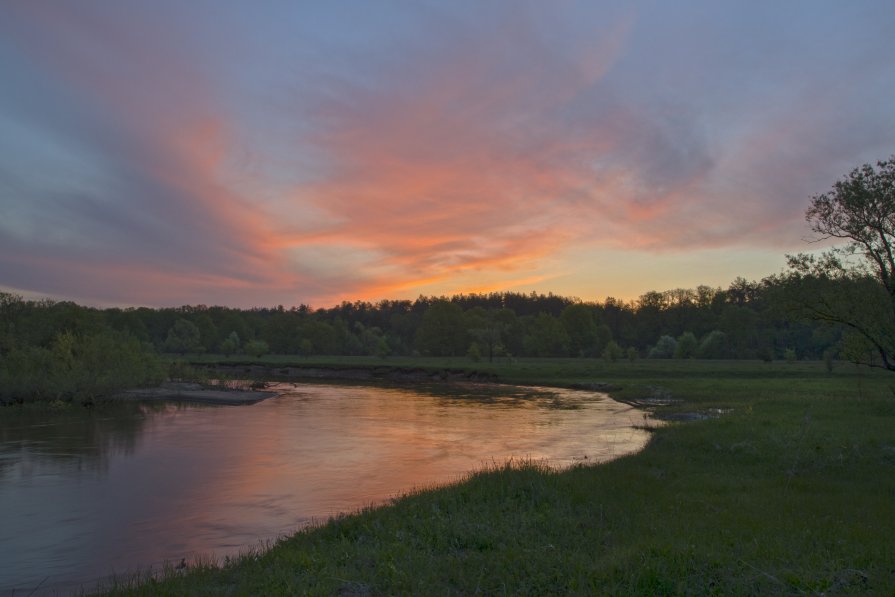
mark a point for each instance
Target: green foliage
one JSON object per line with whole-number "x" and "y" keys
{"x": 547, "y": 337}
{"x": 852, "y": 284}
{"x": 184, "y": 337}
{"x": 491, "y": 329}
{"x": 664, "y": 348}
{"x": 231, "y": 344}
{"x": 578, "y": 321}
{"x": 613, "y": 351}
{"x": 474, "y": 353}
{"x": 790, "y": 356}
{"x": 746, "y": 316}
{"x": 442, "y": 331}
{"x": 256, "y": 348}
{"x": 713, "y": 345}
{"x": 633, "y": 355}
{"x": 687, "y": 346}
{"x": 787, "y": 493}
{"x": 77, "y": 368}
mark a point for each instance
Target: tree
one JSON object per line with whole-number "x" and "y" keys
{"x": 183, "y": 337}
{"x": 713, "y": 345}
{"x": 488, "y": 329}
{"x": 547, "y": 337}
{"x": 256, "y": 348}
{"x": 687, "y": 345}
{"x": 664, "y": 348}
{"x": 613, "y": 351}
{"x": 442, "y": 331}
{"x": 578, "y": 319}
{"x": 852, "y": 284}
{"x": 231, "y": 344}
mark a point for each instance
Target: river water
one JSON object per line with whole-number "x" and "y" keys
{"x": 85, "y": 496}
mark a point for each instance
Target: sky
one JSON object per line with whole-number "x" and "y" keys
{"x": 251, "y": 154}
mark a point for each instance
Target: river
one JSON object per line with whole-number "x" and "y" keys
{"x": 86, "y": 495}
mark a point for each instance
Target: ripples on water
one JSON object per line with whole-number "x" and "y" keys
{"x": 84, "y": 496}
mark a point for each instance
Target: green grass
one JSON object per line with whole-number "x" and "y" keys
{"x": 791, "y": 492}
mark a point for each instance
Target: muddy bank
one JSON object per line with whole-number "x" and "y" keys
{"x": 354, "y": 373}
{"x": 193, "y": 392}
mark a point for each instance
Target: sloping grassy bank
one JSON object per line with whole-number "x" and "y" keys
{"x": 791, "y": 492}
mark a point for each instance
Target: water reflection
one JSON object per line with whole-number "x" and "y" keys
{"x": 87, "y": 496}
{"x": 76, "y": 439}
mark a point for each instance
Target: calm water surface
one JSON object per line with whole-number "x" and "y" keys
{"x": 83, "y": 497}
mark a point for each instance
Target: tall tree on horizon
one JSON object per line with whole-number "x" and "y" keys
{"x": 853, "y": 284}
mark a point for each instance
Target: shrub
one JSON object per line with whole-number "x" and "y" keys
{"x": 613, "y": 351}
{"x": 686, "y": 346}
{"x": 256, "y": 348}
{"x": 664, "y": 348}
{"x": 474, "y": 353}
{"x": 713, "y": 345}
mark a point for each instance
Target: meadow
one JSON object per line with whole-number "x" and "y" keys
{"x": 783, "y": 485}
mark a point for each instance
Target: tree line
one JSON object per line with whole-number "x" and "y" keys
{"x": 839, "y": 302}
{"x": 744, "y": 321}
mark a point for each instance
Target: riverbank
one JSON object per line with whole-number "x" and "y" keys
{"x": 789, "y": 492}
{"x": 194, "y": 392}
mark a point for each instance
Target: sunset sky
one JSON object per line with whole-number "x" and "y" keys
{"x": 260, "y": 153}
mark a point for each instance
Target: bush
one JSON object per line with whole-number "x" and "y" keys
{"x": 256, "y": 348}
{"x": 687, "y": 346}
{"x": 78, "y": 368}
{"x": 713, "y": 345}
{"x": 664, "y": 348}
{"x": 474, "y": 353}
{"x": 613, "y": 351}
{"x": 231, "y": 344}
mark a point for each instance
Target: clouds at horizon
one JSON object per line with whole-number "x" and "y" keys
{"x": 168, "y": 155}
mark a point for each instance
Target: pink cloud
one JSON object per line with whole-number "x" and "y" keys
{"x": 469, "y": 151}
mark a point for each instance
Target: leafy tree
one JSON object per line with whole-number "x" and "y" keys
{"x": 853, "y": 284}
{"x": 578, "y": 319}
{"x": 547, "y": 337}
{"x": 713, "y": 345}
{"x": 488, "y": 328}
{"x": 664, "y": 348}
{"x": 75, "y": 367}
{"x": 183, "y": 337}
{"x": 613, "y": 351}
{"x": 604, "y": 337}
{"x": 474, "y": 353}
{"x": 687, "y": 346}
{"x": 208, "y": 332}
{"x": 231, "y": 344}
{"x": 256, "y": 348}
{"x": 442, "y": 331}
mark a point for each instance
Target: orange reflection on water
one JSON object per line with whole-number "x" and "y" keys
{"x": 217, "y": 480}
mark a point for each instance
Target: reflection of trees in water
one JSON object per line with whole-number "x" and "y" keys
{"x": 75, "y": 440}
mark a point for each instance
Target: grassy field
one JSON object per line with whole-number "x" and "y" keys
{"x": 792, "y": 491}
